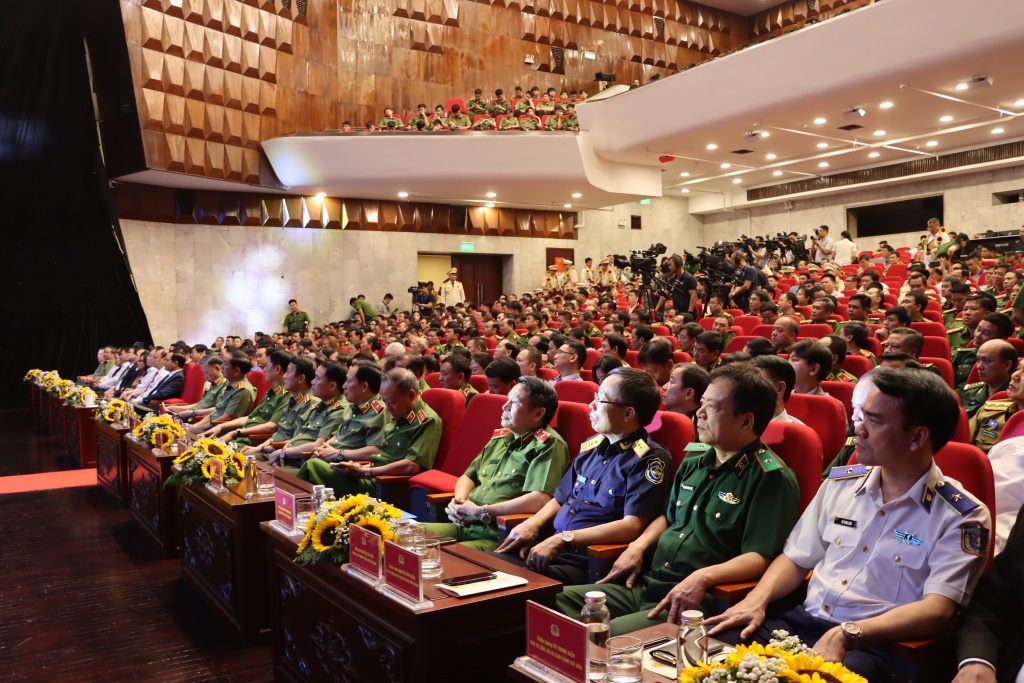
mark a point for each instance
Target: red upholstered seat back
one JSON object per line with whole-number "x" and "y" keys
{"x": 572, "y": 421}
{"x": 478, "y": 382}
{"x": 842, "y": 392}
{"x": 192, "y": 391}
{"x": 673, "y": 431}
{"x": 800, "y": 448}
{"x": 972, "y": 468}
{"x": 856, "y": 365}
{"x": 825, "y": 415}
{"x": 259, "y": 381}
{"x": 433, "y": 380}
{"x": 481, "y": 417}
{"x": 450, "y": 406}
{"x": 576, "y": 391}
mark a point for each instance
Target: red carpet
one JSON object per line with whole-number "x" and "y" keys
{"x": 47, "y": 480}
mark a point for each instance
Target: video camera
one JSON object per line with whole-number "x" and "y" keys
{"x": 645, "y": 264}
{"x": 415, "y": 289}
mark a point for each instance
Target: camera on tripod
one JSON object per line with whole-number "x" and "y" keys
{"x": 645, "y": 264}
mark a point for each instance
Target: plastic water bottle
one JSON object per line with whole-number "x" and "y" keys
{"x": 597, "y": 618}
{"x": 318, "y": 496}
{"x": 692, "y": 641}
{"x": 252, "y": 483}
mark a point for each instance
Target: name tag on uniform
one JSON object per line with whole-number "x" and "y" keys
{"x": 581, "y": 479}
{"x": 687, "y": 487}
{"x": 842, "y": 521}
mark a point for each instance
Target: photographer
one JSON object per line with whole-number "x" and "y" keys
{"x": 743, "y": 283}
{"x": 822, "y": 245}
{"x": 682, "y": 286}
{"x": 424, "y": 300}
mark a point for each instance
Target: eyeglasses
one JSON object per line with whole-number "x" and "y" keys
{"x": 598, "y": 399}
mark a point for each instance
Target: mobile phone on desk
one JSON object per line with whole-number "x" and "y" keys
{"x": 468, "y": 578}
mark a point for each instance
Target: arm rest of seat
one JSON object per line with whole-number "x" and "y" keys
{"x": 606, "y": 552}
{"x": 441, "y": 499}
{"x": 394, "y": 488}
{"x": 731, "y": 593}
{"x": 221, "y": 420}
{"x": 507, "y": 523}
{"x": 259, "y": 437}
{"x": 277, "y": 444}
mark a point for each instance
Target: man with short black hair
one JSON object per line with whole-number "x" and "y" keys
{"x": 296, "y": 320}
{"x": 707, "y": 351}
{"x": 237, "y": 398}
{"x": 264, "y": 416}
{"x": 780, "y": 373}
{"x": 992, "y": 326}
{"x": 321, "y": 423}
{"x": 169, "y": 387}
{"x": 997, "y": 359}
{"x": 502, "y": 374}
{"x": 297, "y": 381}
{"x": 569, "y": 358}
{"x": 616, "y": 345}
{"x": 655, "y": 358}
{"x": 812, "y": 362}
{"x": 685, "y": 388}
{"x": 455, "y": 373}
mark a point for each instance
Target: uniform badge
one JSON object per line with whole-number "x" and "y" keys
{"x": 591, "y": 443}
{"x": 422, "y": 416}
{"x": 410, "y": 417}
{"x": 641, "y": 449}
{"x": 728, "y": 498}
{"x": 377, "y": 406}
{"x": 687, "y": 487}
{"x": 992, "y": 423}
{"x": 542, "y": 436}
{"x": 655, "y": 471}
{"x": 974, "y": 539}
{"x": 498, "y": 433}
{"x": 907, "y": 538}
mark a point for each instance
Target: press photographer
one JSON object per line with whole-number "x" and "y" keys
{"x": 422, "y": 298}
{"x": 744, "y": 281}
{"x": 822, "y": 245}
{"x": 681, "y": 286}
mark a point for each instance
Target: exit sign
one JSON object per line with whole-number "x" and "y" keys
{"x": 589, "y": 55}
{"x": 645, "y": 201}
{"x": 467, "y": 246}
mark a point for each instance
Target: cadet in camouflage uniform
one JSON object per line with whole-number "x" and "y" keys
{"x": 732, "y": 506}
{"x": 297, "y": 380}
{"x": 997, "y": 359}
{"x": 410, "y": 442}
{"x": 516, "y": 473}
{"x": 321, "y": 423}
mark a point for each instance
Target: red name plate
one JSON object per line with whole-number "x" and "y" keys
{"x": 557, "y": 641}
{"x": 285, "y": 509}
{"x": 364, "y": 550}
{"x": 402, "y": 571}
{"x": 216, "y": 473}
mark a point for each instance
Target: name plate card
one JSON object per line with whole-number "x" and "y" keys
{"x": 216, "y": 483}
{"x": 364, "y": 551}
{"x": 284, "y": 510}
{"x": 402, "y": 572}
{"x": 557, "y": 642}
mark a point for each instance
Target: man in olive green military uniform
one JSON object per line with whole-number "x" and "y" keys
{"x": 321, "y": 423}
{"x": 455, "y": 372}
{"x": 569, "y": 121}
{"x": 389, "y": 117}
{"x": 410, "y": 442}
{"x": 213, "y": 369}
{"x": 992, "y": 326}
{"x": 297, "y": 381}
{"x": 359, "y": 434}
{"x": 414, "y": 363}
{"x": 106, "y": 362}
{"x": 508, "y": 331}
{"x": 499, "y": 105}
{"x": 997, "y": 359}
{"x": 477, "y": 105}
{"x": 457, "y": 120}
{"x": 296, "y": 320}
{"x": 238, "y": 395}
{"x": 452, "y": 340}
{"x": 517, "y": 472}
{"x": 732, "y": 506}
{"x": 264, "y": 417}
{"x": 420, "y": 115}
{"x": 975, "y": 309}
{"x": 510, "y": 122}
{"x": 486, "y": 122}
{"x": 365, "y": 312}
{"x": 530, "y": 120}
{"x": 988, "y": 423}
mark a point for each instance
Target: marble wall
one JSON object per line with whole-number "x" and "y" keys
{"x": 198, "y": 282}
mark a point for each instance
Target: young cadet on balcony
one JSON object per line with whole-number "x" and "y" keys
{"x": 732, "y": 505}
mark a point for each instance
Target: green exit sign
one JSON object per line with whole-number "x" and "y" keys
{"x": 589, "y": 55}
{"x": 467, "y": 246}
{"x": 645, "y": 201}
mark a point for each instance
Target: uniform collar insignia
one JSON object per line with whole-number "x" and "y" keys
{"x": 410, "y": 417}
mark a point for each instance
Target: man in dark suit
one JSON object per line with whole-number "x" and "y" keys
{"x": 170, "y": 386}
{"x": 990, "y": 635}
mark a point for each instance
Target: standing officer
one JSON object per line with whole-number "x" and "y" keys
{"x": 611, "y": 492}
{"x": 517, "y": 472}
{"x": 296, "y": 320}
{"x": 452, "y": 291}
{"x": 732, "y": 505}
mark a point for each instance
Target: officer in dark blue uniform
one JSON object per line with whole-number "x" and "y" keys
{"x": 617, "y": 485}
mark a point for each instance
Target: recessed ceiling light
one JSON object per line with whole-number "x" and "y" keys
{"x": 777, "y": 173}
{"x": 875, "y": 155}
{"x": 736, "y": 181}
{"x": 823, "y": 164}
{"x": 961, "y": 86}
{"x": 489, "y": 205}
{"x": 820, "y": 120}
{"x": 684, "y": 175}
{"x": 576, "y": 195}
{"x": 491, "y": 195}
{"x": 685, "y": 190}
{"x": 997, "y": 131}
{"x": 712, "y": 146}
{"x": 879, "y": 133}
{"x": 769, "y": 156}
{"x": 931, "y": 143}
{"x": 822, "y": 145}
{"x": 765, "y": 133}
{"x": 321, "y": 195}
{"x": 403, "y": 194}
{"x": 885, "y": 105}
{"x": 568, "y": 206}
{"x": 945, "y": 119}
{"x": 726, "y": 165}
{"x": 1019, "y": 103}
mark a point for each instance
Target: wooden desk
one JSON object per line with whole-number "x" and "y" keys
{"x": 112, "y": 462}
{"x": 153, "y": 507}
{"x": 55, "y": 412}
{"x": 35, "y": 397}
{"x": 224, "y": 553}
{"x": 80, "y": 430}
{"x": 650, "y": 633}
{"x": 329, "y": 626}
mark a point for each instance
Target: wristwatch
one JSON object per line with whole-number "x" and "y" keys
{"x": 851, "y": 629}
{"x": 567, "y": 537}
{"x": 485, "y": 516}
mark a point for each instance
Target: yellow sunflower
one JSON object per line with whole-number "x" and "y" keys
{"x": 138, "y": 431}
{"x": 206, "y": 467}
{"x": 805, "y": 669}
{"x": 185, "y": 457}
{"x": 346, "y": 505}
{"x": 304, "y": 543}
{"x": 111, "y": 415}
{"x": 214, "y": 448}
{"x": 238, "y": 461}
{"x": 117, "y": 403}
{"x": 389, "y": 511}
{"x": 326, "y": 535}
{"x": 696, "y": 674}
{"x": 162, "y": 437}
{"x": 377, "y": 524}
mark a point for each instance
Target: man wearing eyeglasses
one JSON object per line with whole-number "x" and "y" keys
{"x": 568, "y": 360}
{"x": 612, "y": 491}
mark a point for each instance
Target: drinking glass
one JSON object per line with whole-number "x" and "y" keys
{"x": 430, "y": 550}
{"x": 411, "y": 536}
{"x": 303, "y": 511}
{"x": 265, "y": 482}
{"x": 625, "y": 663}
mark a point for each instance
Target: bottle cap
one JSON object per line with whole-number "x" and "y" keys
{"x": 594, "y": 596}
{"x": 692, "y": 617}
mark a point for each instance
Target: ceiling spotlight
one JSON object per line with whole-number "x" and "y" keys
{"x": 736, "y": 181}
{"x": 975, "y": 83}
{"x": 997, "y": 131}
{"x": 822, "y": 145}
{"x": 879, "y": 133}
{"x": 823, "y": 164}
{"x": 491, "y": 195}
{"x": 685, "y": 190}
{"x": 321, "y": 195}
{"x": 853, "y": 114}
{"x": 945, "y": 119}
{"x": 489, "y": 205}
{"x": 684, "y": 175}
{"x": 885, "y": 105}
{"x": 712, "y": 146}
{"x": 820, "y": 120}
{"x": 1019, "y": 103}
{"x": 765, "y": 133}
{"x": 874, "y": 155}
{"x": 403, "y": 194}
{"x": 755, "y": 134}
{"x": 769, "y": 156}
{"x": 567, "y": 206}
{"x": 931, "y": 143}
{"x": 576, "y": 195}
{"x": 726, "y": 165}
{"x": 777, "y": 173}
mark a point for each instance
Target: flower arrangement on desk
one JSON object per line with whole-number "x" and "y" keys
{"x": 327, "y": 530}
{"x": 64, "y": 386}
{"x": 785, "y": 659}
{"x": 32, "y": 375}
{"x": 48, "y": 380}
{"x": 78, "y": 396}
{"x": 159, "y": 431}
{"x": 114, "y": 410}
{"x": 195, "y": 464}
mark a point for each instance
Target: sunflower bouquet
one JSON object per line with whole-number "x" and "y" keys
{"x": 784, "y": 660}
{"x": 76, "y": 396}
{"x": 159, "y": 431}
{"x": 49, "y": 381}
{"x": 64, "y": 387}
{"x": 32, "y": 375}
{"x": 195, "y": 464}
{"x": 326, "y": 532}
{"x": 112, "y": 411}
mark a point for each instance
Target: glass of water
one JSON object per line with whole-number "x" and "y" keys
{"x": 430, "y": 551}
{"x": 264, "y": 482}
{"x": 625, "y": 662}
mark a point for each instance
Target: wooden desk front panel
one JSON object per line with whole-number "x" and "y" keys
{"x": 112, "y": 462}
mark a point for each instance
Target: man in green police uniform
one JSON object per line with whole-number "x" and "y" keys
{"x": 212, "y": 367}
{"x": 237, "y": 398}
{"x": 507, "y": 329}
{"x": 452, "y": 340}
{"x": 365, "y": 312}
{"x": 517, "y": 472}
{"x": 321, "y": 423}
{"x": 296, "y": 320}
{"x": 477, "y": 105}
{"x": 297, "y": 380}
{"x": 988, "y": 423}
{"x": 410, "y": 439}
{"x": 997, "y": 359}
{"x": 732, "y": 506}
{"x": 455, "y": 372}
{"x": 106, "y": 362}
{"x": 975, "y": 309}
{"x": 414, "y": 363}
{"x": 264, "y": 417}
{"x": 360, "y": 433}
{"x": 499, "y": 105}
{"x": 457, "y": 120}
{"x": 389, "y": 118}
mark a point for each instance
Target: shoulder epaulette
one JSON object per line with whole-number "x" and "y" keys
{"x": 307, "y": 398}
{"x": 958, "y": 500}
{"x": 238, "y": 385}
{"x": 591, "y": 443}
{"x": 641, "y": 448}
{"x": 973, "y": 385}
{"x": 421, "y": 416}
{"x": 467, "y": 390}
{"x": 852, "y": 441}
{"x": 953, "y": 330}
{"x": 996, "y": 406}
{"x": 767, "y": 460}
{"x": 498, "y": 433}
{"x": 849, "y": 472}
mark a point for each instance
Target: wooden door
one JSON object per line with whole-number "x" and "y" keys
{"x": 481, "y": 276}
